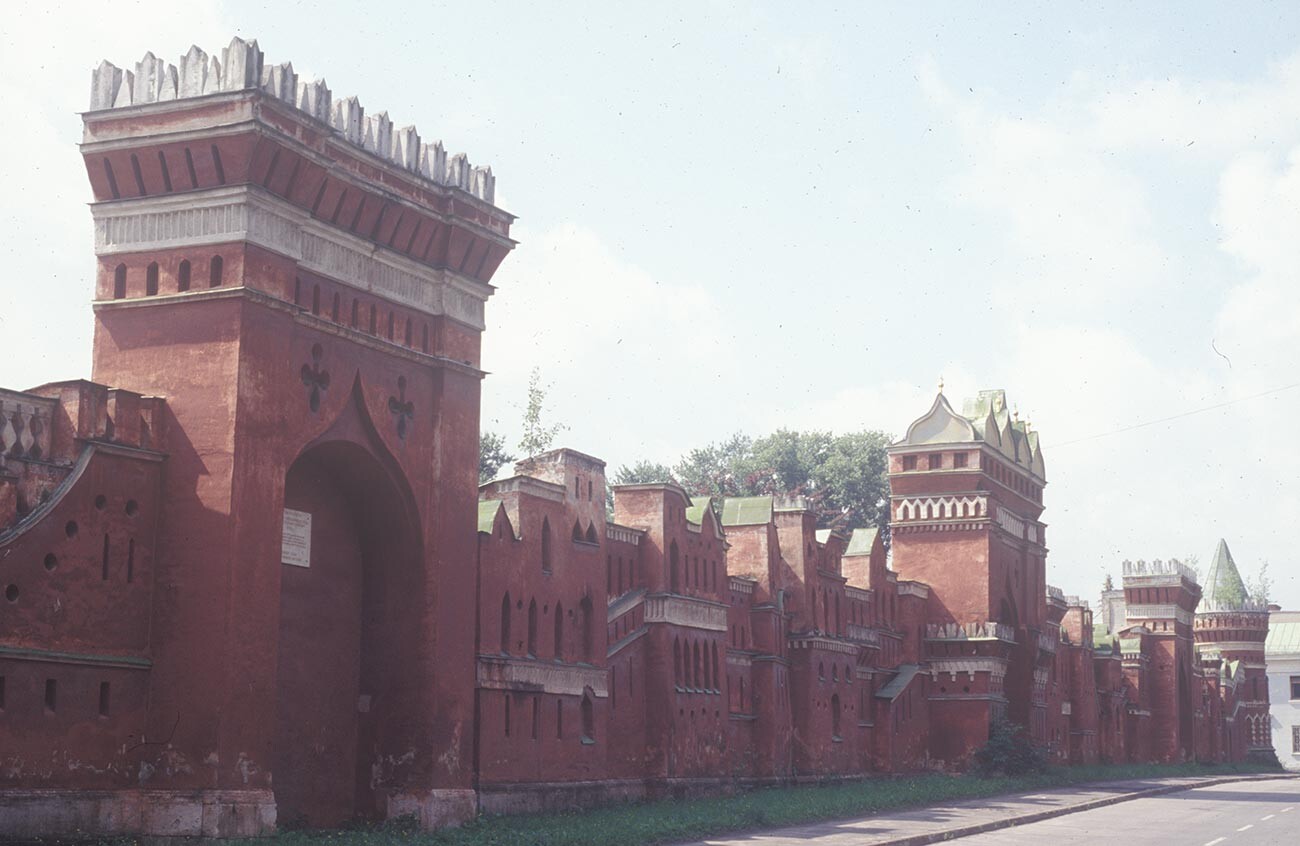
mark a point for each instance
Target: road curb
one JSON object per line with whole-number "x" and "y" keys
{"x": 1038, "y": 816}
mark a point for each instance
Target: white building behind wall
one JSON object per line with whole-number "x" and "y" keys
{"x": 1282, "y": 656}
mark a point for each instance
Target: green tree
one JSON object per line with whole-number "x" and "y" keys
{"x": 842, "y": 477}
{"x": 643, "y": 472}
{"x": 491, "y": 455}
{"x": 538, "y": 437}
{"x": 1259, "y": 588}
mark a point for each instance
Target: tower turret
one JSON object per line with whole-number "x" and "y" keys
{"x": 1231, "y": 626}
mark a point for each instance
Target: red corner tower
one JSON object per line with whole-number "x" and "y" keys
{"x": 304, "y": 284}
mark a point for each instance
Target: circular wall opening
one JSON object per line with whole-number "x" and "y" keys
{"x": 132, "y": 507}
{"x": 11, "y": 593}
{"x": 71, "y": 528}
{"x": 100, "y": 502}
{"x": 51, "y": 561}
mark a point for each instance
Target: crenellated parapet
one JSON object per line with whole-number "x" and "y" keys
{"x": 242, "y": 67}
{"x": 1171, "y": 568}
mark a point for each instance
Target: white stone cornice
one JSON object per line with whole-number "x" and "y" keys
{"x": 686, "y": 611}
{"x": 996, "y": 667}
{"x": 498, "y": 672}
{"x": 248, "y": 213}
{"x": 1159, "y": 612}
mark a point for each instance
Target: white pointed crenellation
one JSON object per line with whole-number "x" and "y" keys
{"x": 348, "y": 116}
{"x": 148, "y": 79}
{"x": 314, "y": 99}
{"x": 483, "y": 184}
{"x": 242, "y": 67}
{"x": 458, "y": 171}
{"x": 193, "y": 73}
{"x": 378, "y": 137}
{"x": 406, "y": 148}
{"x": 281, "y": 82}
{"x": 212, "y": 81}
{"x": 104, "y": 82}
{"x": 125, "y": 90}
{"x": 433, "y": 162}
{"x": 242, "y": 62}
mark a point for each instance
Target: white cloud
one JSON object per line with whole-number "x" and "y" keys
{"x": 47, "y": 52}
{"x": 1103, "y": 244}
{"x": 619, "y": 347}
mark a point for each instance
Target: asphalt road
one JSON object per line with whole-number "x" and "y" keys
{"x": 1238, "y": 814}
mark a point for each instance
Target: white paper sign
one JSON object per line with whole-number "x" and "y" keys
{"x": 295, "y": 540}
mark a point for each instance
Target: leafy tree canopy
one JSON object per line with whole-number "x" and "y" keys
{"x": 538, "y": 436}
{"x": 491, "y": 455}
{"x": 843, "y": 477}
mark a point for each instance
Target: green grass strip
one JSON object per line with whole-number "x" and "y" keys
{"x": 670, "y": 821}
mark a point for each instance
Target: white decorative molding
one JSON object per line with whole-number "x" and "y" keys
{"x": 686, "y": 611}
{"x": 1160, "y": 612}
{"x": 940, "y": 508}
{"x": 623, "y": 534}
{"x": 990, "y": 630}
{"x": 995, "y": 667}
{"x": 908, "y": 587}
{"x": 242, "y": 67}
{"x": 248, "y": 213}
{"x": 1010, "y": 522}
{"x": 864, "y": 635}
{"x": 503, "y": 673}
{"x": 740, "y": 584}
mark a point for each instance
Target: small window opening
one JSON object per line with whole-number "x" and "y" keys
{"x": 51, "y": 695}
{"x": 151, "y": 279}
{"x": 216, "y": 268}
{"x": 103, "y": 699}
{"x": 183, "y": 276}
{"x": 119, "y": 282}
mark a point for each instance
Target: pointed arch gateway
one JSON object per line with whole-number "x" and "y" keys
{"x": 350, "y": 646}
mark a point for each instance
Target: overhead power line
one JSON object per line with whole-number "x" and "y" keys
{"x": 1179, "y": 416}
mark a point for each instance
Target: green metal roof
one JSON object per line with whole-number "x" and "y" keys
{"x": 906, "y": 672}
{"x": 861, "y": 541}
{"x": 695, "y": 514}
{"x": 1283, "y": 634}
{"x": 487, "y": 514}
{"x": 746, "y": 510}
{"x": 1223, "y": 585}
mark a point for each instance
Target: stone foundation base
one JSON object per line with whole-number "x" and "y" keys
{"x": 434, "y": 808}
{"x": 533, "y": 797}
{"x": 162, "y": 813}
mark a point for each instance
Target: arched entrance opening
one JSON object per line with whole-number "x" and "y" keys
{"x": 350, "y": 652}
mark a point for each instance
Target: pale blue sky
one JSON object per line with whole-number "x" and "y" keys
{"x": 738, "y": 216}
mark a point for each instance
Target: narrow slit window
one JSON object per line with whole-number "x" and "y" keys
{"x": 51, "y": 695}
{"x": 104, "y": 702}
